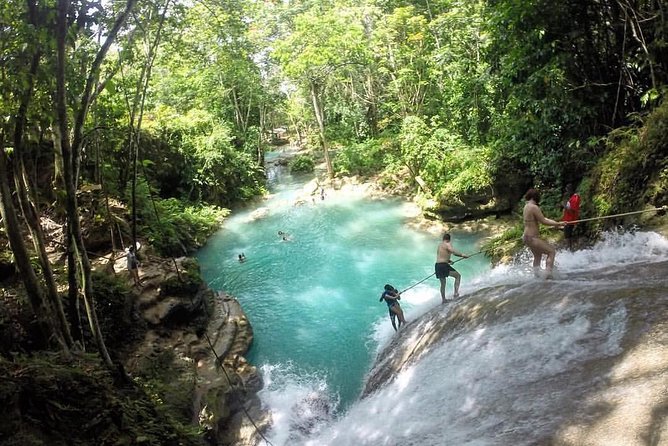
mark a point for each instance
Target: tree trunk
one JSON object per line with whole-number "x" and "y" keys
{"x": 136, "y": 111}
{"x": 260, "y": 137}
{"x": 71, "y": 151}
{"x": 29, "y": 208}
{"x": 31, "y": 216}
{"x": 22, "y": 258}
{"x": 320, "y": 117}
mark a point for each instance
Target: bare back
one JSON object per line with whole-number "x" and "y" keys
{"x": 532, "y": 217}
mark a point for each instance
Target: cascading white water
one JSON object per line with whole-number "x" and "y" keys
{"x": 520, "y": 362}
{"x": 517, "y": 361}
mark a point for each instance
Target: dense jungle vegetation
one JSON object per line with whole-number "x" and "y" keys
{"x": 148, "y": 119}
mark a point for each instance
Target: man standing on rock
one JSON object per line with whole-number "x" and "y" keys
{"x": 443, "y": 268}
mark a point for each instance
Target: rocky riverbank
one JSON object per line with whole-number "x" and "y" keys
{"x": 195, "y": 344}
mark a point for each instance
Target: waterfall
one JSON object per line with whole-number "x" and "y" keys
{"x": 581, "y": 359}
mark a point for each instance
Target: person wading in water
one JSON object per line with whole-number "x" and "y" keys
{"x": 533, "y": 217}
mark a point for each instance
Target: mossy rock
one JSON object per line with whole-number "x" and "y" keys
{"x": 187, "y": 282}
{"x": 632, "y": 175}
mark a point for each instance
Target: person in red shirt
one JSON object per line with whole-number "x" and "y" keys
{"x": 571, "y": 213}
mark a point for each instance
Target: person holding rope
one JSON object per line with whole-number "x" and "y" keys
{"x": 391, "y": 296}
{"x": 444, "y": 269}
{"x": 571, "y": 213}
{"x": 533, "y": 217}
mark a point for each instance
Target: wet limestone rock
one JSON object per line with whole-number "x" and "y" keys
{"x": 193, "y": 351}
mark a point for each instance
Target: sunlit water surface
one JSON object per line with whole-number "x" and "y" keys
{"x": 313, "y": 301}
{"x": 313, "y": 304}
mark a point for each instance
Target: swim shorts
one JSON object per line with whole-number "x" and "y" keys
{"x": 568, "y": 231}
{"x": 443, "y": 270}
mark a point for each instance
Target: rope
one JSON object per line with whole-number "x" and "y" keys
{"x": 663, "y": 208}
{"x": 416, "y": 284}
{"x": 219, "y": 361}
{"x": 402, "y": 291}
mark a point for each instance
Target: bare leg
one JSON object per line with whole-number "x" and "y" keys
{"x": 458, "y": 278}
{"x": 443, "y": 280}
{"x": 135, "y": 277}
{"x": 537, "y": 256}
{"x": 400, "y": 313}
{"x": 538, "y": 248}
{"x": 550, "y": 260}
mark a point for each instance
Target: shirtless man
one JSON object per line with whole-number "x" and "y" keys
{"x": 443, "y": 268}
{"x": 531, "y": 237}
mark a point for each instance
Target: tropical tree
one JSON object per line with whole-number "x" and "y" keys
{"x": 320, "y": 47}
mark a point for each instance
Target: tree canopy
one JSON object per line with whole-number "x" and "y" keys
{"x": 168, "y": 106}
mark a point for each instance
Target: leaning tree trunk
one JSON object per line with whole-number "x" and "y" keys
{"x": 320, "y": 117}
{"x": 71, "y": 150}
{"x": 29, "y": 208}
{"x": 136, "y": 111}
{"x": 22, "y": 258}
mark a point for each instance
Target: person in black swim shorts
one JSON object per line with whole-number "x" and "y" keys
{"x": 443, "y": 268}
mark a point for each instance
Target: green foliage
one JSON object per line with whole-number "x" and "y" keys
{"x": 449, "y": 167}
{"x": 364, "y": 158}
{"x": 76, "y": 402}
{"x": 215, "y": 170}
{"x": 186, "y": 283}
{"x": 632, "y": 173}
{"x": 178, "y": 228}
{"x": 402, "y": 44}
{"x": 302, "y": 164}
{"x": 503, "y": 246}
{"x": 414, "y": 140}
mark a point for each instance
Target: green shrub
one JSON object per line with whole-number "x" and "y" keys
{"x": 302, "y": 164}
{"x": 176, "y": 228}
{"x": 365, "y": 158}
{"x": 632, "y": 173}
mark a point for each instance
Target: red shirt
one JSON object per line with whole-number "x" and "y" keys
{"x": 572, "y": 209}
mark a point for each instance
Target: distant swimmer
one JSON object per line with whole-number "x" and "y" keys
{"x": 533, "y": 216}
{"x": 443, "y": 268}
{"x": 392, "y": 296}
{"x": 284, "y": 236}
{"x": 242, "y": 257}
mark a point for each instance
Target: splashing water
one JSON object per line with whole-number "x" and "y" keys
{"x": 527, "y": 361}
{"x": 493, "y": 377}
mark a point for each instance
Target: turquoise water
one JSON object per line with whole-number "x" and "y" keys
{"x": 313, "y": 300}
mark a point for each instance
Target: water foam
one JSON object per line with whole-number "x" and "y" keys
{"x": 451, "y": 395}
